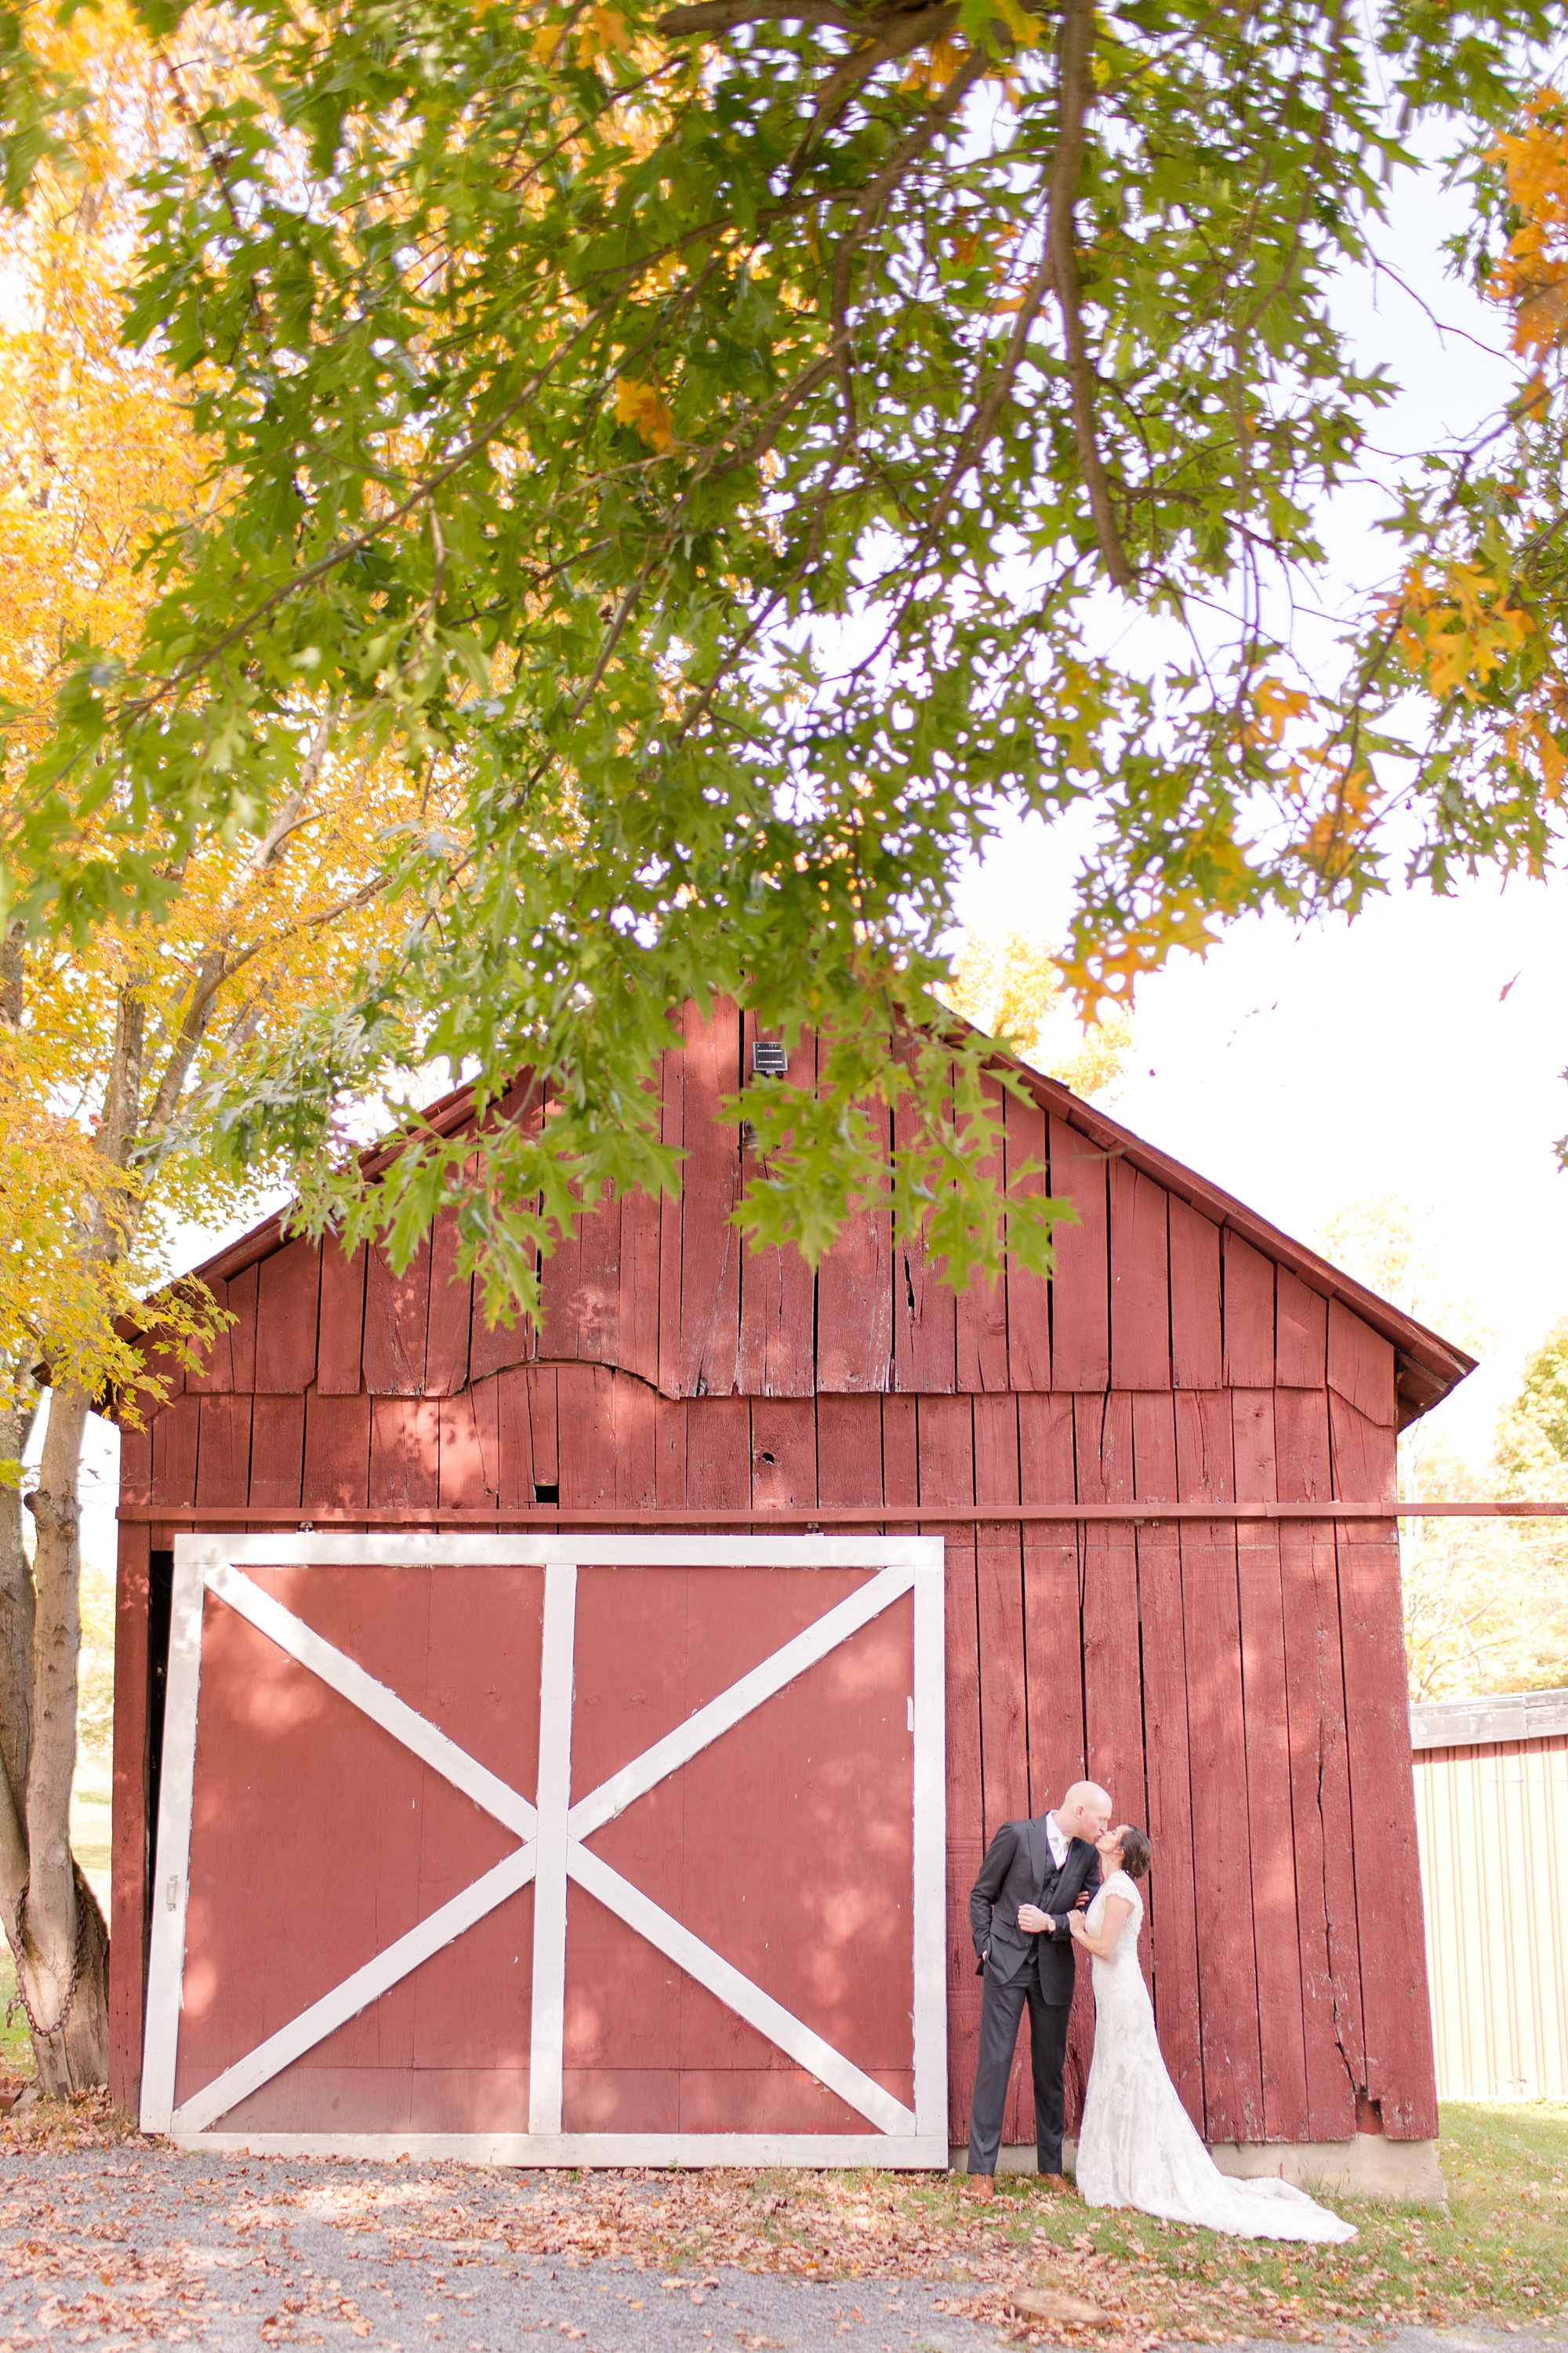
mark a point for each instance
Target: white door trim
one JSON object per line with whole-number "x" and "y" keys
{"x": 556, "y": 1696}
{"x": 551, "y": 1833}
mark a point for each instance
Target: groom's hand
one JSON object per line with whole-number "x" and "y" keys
{"x": 1033, "y": 1921}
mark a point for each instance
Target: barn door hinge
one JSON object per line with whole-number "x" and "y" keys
{"x": 171, "y": 1897}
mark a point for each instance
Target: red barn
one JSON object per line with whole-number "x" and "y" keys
{"x": 551, "y": 1744}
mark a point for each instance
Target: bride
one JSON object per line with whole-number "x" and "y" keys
{"x": 1137, "y": 2146}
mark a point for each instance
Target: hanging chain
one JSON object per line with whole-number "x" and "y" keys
{"x": 19, "y": 1998}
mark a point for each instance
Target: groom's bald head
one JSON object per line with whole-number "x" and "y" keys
{"x": 1085, "y": 1811}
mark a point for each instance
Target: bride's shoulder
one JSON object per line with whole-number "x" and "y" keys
{"x": 1119, "y": 1883}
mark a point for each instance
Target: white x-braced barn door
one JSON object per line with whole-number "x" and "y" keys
{"x": 559, "y": 1849}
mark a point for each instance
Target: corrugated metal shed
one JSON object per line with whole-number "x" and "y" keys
{"x": 1491, "y": 1799}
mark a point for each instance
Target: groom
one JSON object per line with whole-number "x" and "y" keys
{"x": 1036, "y": 1875}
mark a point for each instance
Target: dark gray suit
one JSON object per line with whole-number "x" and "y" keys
{"x": 1017, "y": 1967}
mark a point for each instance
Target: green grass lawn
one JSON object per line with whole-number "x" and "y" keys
{"x": 16, "y": 2046}
{"x": 89, "y": 1824}
{"x": 1499, "y": 2253}
{"x": 1501, "y": 2249}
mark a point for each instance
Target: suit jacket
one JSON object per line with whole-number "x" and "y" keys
{"x": 1018, "y": 1869}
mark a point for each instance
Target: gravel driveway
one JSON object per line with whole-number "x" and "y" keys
{"x": 118, "y": 2247}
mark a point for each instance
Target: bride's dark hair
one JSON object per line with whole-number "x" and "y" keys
{"x": 1135, "y": 1850}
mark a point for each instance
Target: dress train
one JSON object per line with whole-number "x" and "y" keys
{"x": 1137, "y": 2146}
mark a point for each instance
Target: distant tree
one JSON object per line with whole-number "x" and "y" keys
{"x": 1486, "y": 1601}
{"x": 1531, "y": 1450}
{"x": 1011, "y": 986}
{"x": 1403, "y": 1252}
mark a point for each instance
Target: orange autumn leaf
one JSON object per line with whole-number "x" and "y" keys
{"x": 1532, "y": 274}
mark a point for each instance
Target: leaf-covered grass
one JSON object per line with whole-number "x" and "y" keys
{"x": 1500, "y": 2250}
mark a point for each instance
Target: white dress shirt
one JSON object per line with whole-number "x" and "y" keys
{"x": 1059, "y": 1841}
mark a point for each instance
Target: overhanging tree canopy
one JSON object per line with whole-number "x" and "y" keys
{"x": 729, "y": 443}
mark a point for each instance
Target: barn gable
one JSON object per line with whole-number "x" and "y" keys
{"x": 1166, "y": 1283}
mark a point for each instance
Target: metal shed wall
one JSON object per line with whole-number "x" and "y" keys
{"x": 1491, "y": 1793}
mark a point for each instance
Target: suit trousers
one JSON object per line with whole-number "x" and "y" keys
{"x": 1001, "y": 2008}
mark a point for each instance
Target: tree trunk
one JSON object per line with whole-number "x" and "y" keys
{"x": 52, "y": 1917}
{"x": 16, "y": 1577}
{"x": 53, "y": 1923}
{"x": 15, "y": 1615}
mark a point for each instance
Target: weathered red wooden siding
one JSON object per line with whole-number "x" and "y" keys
{"x": 1237, "y": 1684}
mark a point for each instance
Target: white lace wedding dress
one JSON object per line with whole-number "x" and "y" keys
{"x": 1137, "y": 2146}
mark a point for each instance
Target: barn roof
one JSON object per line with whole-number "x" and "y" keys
{"x": 1427, "y": 1366}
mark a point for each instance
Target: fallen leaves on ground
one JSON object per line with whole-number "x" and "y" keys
{"x": 1156, "y": 2282}
{"x": 87, "y": 2120}
{"x": 1500, "y": 2252}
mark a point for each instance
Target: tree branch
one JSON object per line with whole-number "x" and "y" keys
{"x": 217, "y": 965}
{"x": 725, "y": 16}
{"x": 11, "y": 971}
{"x": 1077, "y": 97}
{"x": 910, "y": 29}
{"x": 122, "y": 1098}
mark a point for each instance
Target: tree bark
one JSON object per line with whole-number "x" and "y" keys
{"x": 15, "y": 1428}
{"x": 52, "y": 1919}
{"x": 15, "y": 1614}
{"x": 53, "y": 1923}
{"x": 15, "y": 1664}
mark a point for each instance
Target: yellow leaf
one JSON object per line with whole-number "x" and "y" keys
{"x": 936, "y": 66}
{"x": 99, "y": 453}
{"x": 603, "y": 32}
{"x": 1276, "y": 705}
{"x": 1532, "y": 274}
{"x": 1024, "y": 28}
{"x": 1011, "y": 986}
{"x": 642, "y": 406}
